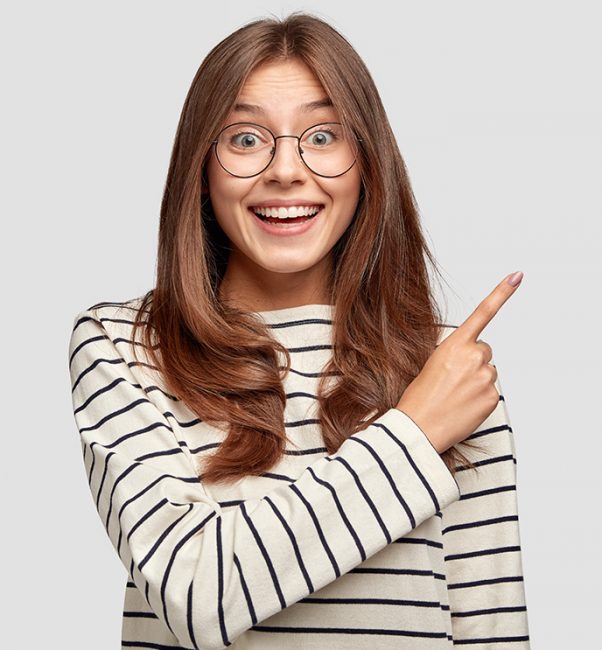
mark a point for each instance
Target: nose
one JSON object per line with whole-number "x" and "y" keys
{"x": 286, "y": 165}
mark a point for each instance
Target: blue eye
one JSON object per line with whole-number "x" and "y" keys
{"x": 247, "y": 140}
{"x": 322, "y": 140}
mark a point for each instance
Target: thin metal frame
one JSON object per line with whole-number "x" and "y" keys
{"x": 273, "y": 153}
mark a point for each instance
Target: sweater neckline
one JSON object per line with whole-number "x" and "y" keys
{"x": 298, "y": 311}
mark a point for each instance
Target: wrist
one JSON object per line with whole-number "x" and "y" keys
{"x": 434, "y": 441}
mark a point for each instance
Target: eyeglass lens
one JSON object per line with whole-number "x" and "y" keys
{"x": 246, "y": 149}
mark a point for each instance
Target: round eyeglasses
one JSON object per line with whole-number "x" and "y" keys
{"x": 246, "y": 149}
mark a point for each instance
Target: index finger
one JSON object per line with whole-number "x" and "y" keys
{"x": 473, "y": 326}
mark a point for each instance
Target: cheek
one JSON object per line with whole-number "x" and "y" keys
{"x": 217, "y": 184}
{"x": 346, "y": 195}
{"x": 347, "y": 199}
{"x": 347, "y": 189}
{"x": 224, "y": 190}
{"x": 355, "y": 182}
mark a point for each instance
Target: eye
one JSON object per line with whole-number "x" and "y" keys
{"x": 323, "y": 136}
{"x": 247, "y": 141}
{"x": 244, "y": 137}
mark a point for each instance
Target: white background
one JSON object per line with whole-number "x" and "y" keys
{"x": 497, "y": 109}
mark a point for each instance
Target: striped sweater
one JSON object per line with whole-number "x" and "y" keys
{"x": 375, "y": 546}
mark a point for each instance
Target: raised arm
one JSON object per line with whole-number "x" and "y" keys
{"x": 209, "y": 574}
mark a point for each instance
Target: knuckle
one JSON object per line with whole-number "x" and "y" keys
{"x": 483, "y": 378}
{"x": 493, "y": 397}
{"x": 486, "y": 350}
{"x": 487, "y": 377}
{"x": 485, "y": 353}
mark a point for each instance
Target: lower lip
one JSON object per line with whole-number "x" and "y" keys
{"x": 287, "y": 230}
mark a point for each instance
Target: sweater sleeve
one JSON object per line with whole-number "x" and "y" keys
{"x": 209, "y": 575}
{"x": 481, "y": 543}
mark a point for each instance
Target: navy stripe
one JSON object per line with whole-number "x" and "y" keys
{"x": 389, "y": 478}
{"x": 265, "y": 554}
{"x": 143, "y": 450}
{"x": 365, "y": 495}
{"x": 316, "y": 521}
{"x": 354, "y": 535}
{"x": 296, "y": 549}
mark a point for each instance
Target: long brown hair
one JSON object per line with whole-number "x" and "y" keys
{"x": 221, "y": 361}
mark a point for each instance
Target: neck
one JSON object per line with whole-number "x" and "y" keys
{"x": 254, "y": 288}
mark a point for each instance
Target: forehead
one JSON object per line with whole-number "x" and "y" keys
{"x": 305, "y": 108}
{"x": 282, "y": 88}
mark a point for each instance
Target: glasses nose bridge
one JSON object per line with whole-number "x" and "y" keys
{"x": 298, "y": 143}
{"x": 298, "y": 149}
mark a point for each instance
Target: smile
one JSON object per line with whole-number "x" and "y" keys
{"x": 286, "y": 225}
{"x": 283, "y": 212}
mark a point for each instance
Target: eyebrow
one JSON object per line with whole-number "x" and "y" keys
{"x": 304, "y": 108}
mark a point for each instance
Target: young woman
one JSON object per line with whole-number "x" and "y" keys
{"x": 275, "y": 436}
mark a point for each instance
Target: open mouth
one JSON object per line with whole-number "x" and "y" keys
{"x": 288, "y": 220}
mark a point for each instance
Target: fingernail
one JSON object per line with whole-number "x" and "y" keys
{"x": 515, "y": 278}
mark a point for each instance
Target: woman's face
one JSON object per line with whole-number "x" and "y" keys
{"x": 268, "y": 269}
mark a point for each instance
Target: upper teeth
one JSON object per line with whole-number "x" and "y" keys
{"x": 288, "y": 213}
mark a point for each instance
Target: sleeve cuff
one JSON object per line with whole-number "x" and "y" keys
{"x": 433, "y": 467}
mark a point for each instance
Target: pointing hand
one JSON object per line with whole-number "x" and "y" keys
{"x": 455, "y": 390}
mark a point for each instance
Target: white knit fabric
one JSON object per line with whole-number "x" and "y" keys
{"x": 375, "y": 546}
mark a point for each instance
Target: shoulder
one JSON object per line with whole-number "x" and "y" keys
{"x": 106, "y": 325}
{"x": 113, "y": 310}
{"x": 110, "y": 315}
{"x": 103, "y": 333}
